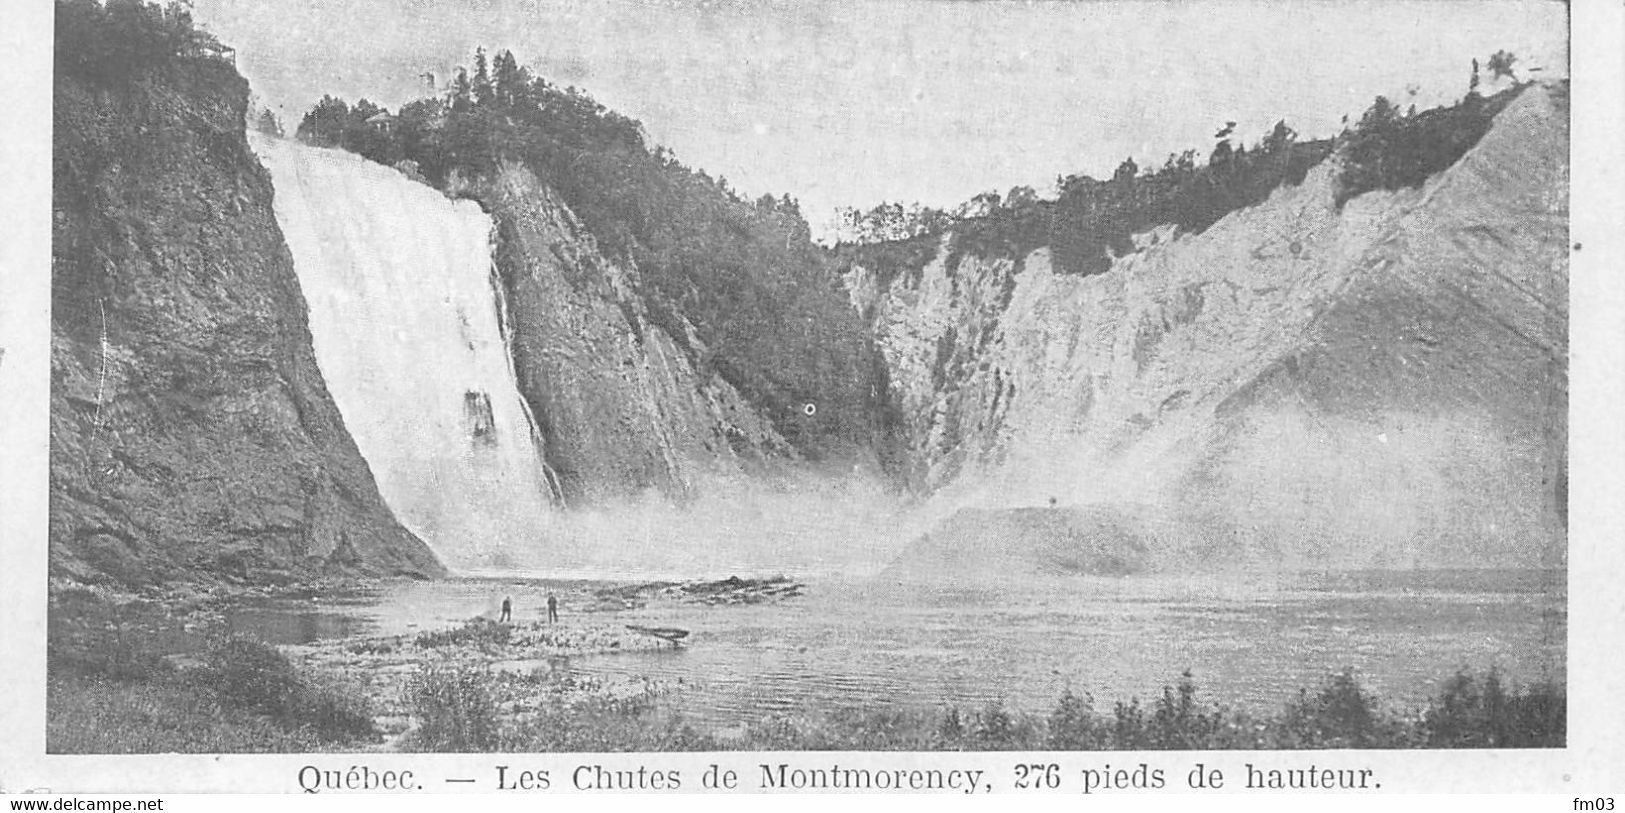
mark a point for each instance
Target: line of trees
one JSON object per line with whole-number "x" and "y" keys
{"x": 1091, "y": 220}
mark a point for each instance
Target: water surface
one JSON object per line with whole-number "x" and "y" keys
{"x": 1251, "y": 642}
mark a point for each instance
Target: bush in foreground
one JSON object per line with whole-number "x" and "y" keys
{"x": 480, "y": 632}
{"x": 96, "y": 715}
{"x": 256, "y": 677}
{"x": 459, "y": 708}
{"x": 456, "y": 710}
{"x": 1474, "y": 713}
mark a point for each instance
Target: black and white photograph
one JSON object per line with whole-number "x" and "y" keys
{"x": 662, "y": 378}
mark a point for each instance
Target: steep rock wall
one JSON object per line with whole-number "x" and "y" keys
{"x": 617, "y": 396}
{"x": 192, "y": 436}
{"x": 1379, "y": 385}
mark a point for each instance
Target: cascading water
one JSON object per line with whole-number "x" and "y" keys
{"x": 404, "y": 319}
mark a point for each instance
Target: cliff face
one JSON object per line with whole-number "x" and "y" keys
{"x": 192, "y": 436}
{"x": 1383, "y": 384}
{"x": 617, "y": 397}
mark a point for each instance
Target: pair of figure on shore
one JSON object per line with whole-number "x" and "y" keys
{"x": 552, "y": 609}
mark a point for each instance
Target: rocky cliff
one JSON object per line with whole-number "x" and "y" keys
{"x": 618, "y": 398}
{"x": 192, "y": 436}
{"x": 1381, "y": 383}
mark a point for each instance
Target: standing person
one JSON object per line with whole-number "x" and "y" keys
{"x": 552, "y": 608}
{"x": 507, "y": 608}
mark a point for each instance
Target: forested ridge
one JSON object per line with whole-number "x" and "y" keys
{"x": 1091, "y": 221}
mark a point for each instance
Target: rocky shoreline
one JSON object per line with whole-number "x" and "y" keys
{"x": 522, "y": 659}
{"x": 524, "y": 663}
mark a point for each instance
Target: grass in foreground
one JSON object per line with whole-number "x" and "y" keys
{"x": 101, "y": 716}
{"x": 245, "y": 697}
{"x": 108, "y": 691}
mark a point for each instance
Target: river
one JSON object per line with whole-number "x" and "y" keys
{"x": 1251, "y": 642}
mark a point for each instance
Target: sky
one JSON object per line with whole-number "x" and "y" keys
{"x": 855, "y": 103}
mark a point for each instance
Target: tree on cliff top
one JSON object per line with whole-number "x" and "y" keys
{"x": 482, "y": 78}
{"x": 1501, "y": 63}
{"x": 334, "y": 123}
{"x": 124, "y": 40}
{"x": 324, "y": 125}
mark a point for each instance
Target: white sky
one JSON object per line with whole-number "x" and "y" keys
{"x": 852, "y": 103}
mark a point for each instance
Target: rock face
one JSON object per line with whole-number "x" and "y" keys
{"x": 1383, "y": 384}
{"x": 616, "y": 394}
{"x": 192, "y": 436}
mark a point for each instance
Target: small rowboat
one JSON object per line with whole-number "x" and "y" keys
{"x": 672, "y": 634}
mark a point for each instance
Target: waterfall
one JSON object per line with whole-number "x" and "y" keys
{"x": 405, "y": 316}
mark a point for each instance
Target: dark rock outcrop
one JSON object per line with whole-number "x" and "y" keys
{"x": 192, "y": 436}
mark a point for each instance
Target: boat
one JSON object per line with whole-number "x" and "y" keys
{"x": 675, "y": 635}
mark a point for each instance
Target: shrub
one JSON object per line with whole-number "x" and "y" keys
{"x": 605, "y": 729}
{"x": 455, "y": 708}
{"x": 891, "y": 729}
{"x": 114, "y": 654}
{"x": 996, "y": 728}
{"x": 951, "y": 729}
{"x": 1073, "y": 726}
{"x": 1179, "y": 723}
{"x": 256, "y": 677}
{"x": 1340, "y": 715}
{"x": 168, "y": 715}
{"x": 888, "y": 729}
{"x": 602, "y": 723}
{"x": 1128, "y": 731}
{"x": 1469, "y": 713}
{"x": 1536, "y": 717}
{"x": 90, "y": 636}
{"x": 370, "y": 647}
{"x": 481, "y": 632}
